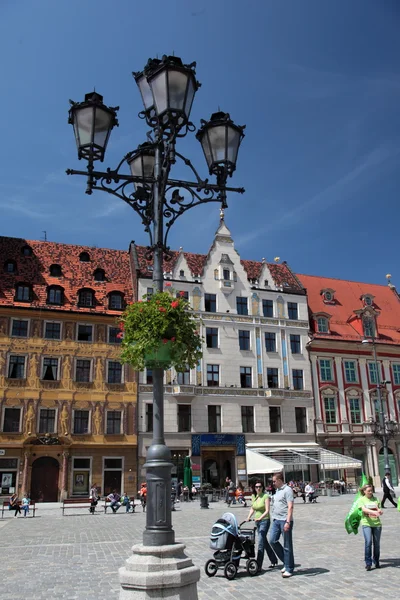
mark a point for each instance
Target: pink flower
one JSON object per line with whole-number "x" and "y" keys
{"x": 120, "y": 335}
{"x": 165, "y": 341}
{"x": 167, "y": 284}
{"x": 162, "y": 309}
{"x": 121, "y": 325}
{"x": 175, "y": 304}
{"x": 182, "y": 294}
{"x": 173, "y": 339}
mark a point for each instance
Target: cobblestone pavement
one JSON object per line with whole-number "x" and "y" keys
{"x": 77, "y": 556}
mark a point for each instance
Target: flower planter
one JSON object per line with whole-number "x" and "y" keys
{"x": 160, "y": 358}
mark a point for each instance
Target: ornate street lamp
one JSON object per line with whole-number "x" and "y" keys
{"x": 167, "y": 87}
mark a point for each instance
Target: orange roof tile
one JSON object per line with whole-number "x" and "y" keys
{"x": 347, "y": 300}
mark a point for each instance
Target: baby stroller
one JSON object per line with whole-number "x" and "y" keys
{"x": 231, "y": 543}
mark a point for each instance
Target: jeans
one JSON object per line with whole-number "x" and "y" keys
{"x": 263, "y": 545}
{"x": 25, "y": 508}
{"x": 372, "y": 534}
{"x": 115, "y": 505}
{"x": 285, "y": 553}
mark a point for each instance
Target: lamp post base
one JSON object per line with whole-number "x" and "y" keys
{"x": 159, "y": 572}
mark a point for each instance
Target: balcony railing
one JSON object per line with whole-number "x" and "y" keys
{"x": 195, "y": 390}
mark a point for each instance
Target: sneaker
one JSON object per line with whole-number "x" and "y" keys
{"x": 283, "y": 570}
{"x": 287, "y": 574}
{"x": 368, "y": 568}
{"x": 272, "y": 566}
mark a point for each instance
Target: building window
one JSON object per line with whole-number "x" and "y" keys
{"x": 248, "y": 419}
{"x": 245, "y": 377}
{"x": 86, "y": 298}
{"x": 275, "y": 419}
{"x": 272, "y": 378}
{"x": 325, "y": 367}
{"x": 47, "y": 419}
{"x": 268, "y": 308}
{"x": 55, "y": 295}
{"x": 184, "y": 417}
{"x": 16, "y": 367}
{"x": 210, "y": 303}
{"x": 149, "y": 293}
{"x": 10, "y": 267}
{"x": 301, "y": 419}
{"x": 350, "y": 372}
{"x": 52, "y": 331}
{"x": 295, "y": 345}
{"x": 373, "y": 373}
{"x": 50, "y": 369}
{"x": 80, "y": 476}
{"x": 85, "y": 333}
{"x": 23, "y": 293}
{"x": 149, "y": 376}
{"x": 181, "y": 273}
{"x": 322, "y": 325}
{"x": 99, "y": 275}
{"x": 19, "y": 328}
{"x": 183, "y": 294}
{"x": 330, "y": 410}
{"x": 149, "y": 417}
{"x": 212, "y": 337}
{"x": 26, "y": 251}
{"x": 214, "y": 419}
{"x": 84, "y": 257}
{"x": 293, "y": 311}
{"x": 226, "y": 274}
{"x": 116, "y": 301}
{"x": 114, "y": 422}
{"x": 114, "y": 372}
{"x": 81, "y": 421}
{"x": 355, "y": 410}
{"x": 270, "y": 342}
{"x": 244, "y": 340}
{"x": 298, "y": 382}
{"x": 241, "y": 306}
{"x": 369, "y": 327}
{"x": 112, "y": 475}
{"x": 82, "y": 371}
{"x": 212, "y": 375}
{"x": 184, "y": 377}
{"x": 396, "y": 374}
{"x": 113, "y": 333}
{"x": 55, "y": 271}
{"x": 12, "y": 420}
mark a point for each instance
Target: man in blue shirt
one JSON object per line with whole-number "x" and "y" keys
{"x": 282, "y": 524}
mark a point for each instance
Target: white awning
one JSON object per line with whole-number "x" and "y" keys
{"x": 305, "y": 455}
{"x": 259, "y": 463}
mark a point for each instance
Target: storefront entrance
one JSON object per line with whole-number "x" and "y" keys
{"x": 217, "y": 466}
{"x": 44, "y": 480}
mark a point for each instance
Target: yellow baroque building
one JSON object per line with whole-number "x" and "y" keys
{"x": 67, "y": 405}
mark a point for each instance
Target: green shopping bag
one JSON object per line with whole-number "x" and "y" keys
{"x": 353, "y": 517}
{"x": 398, "y": 504}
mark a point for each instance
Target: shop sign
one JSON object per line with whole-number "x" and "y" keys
{"x": 241, "y": 471}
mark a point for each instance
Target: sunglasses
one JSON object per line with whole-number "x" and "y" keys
{"x": 258, "y": 486}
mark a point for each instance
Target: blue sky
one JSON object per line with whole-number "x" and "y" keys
{"x": 316, "y": 82}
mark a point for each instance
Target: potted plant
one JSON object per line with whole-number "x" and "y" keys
{"x": 160, "y": 332}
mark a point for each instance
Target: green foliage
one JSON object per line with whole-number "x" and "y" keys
{"x": 160, "y": 319}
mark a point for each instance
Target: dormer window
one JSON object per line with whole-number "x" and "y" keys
{"x": 367, "y": 299}
{"x": 116, "y": 301}
{"x": 322, "y": 325}
{"x": 55, "y": 271}
{"x": 99, "y": 275}
{"x": 84, "y": 257}
{"x": 328, "y": 295}
{"x": 369, "y": 327}
{"x": 26, "y": 251}
{"x": 181, "y": 273}
{"x": 226, "y": 274}
{"x": 23, "y": 293}
{"x": 55, "y": 295}
{"x": 265, "y": 282}
{"x": 10, "y": 267}
{"x": 86, "y": 298}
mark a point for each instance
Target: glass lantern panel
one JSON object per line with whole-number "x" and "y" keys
{"x": 84, "y": 118}
{"x": 233, "y": 144}
{"x": 102, "y": 126}
{"x": 177, "y": 83}
{"x": 189, "y": 98}
{"x": 145, "y": 92}
{"x": 158, "y": 87}
{"x": 136, "y": 166}
{"x": 148, "y": 165}
{"x": 205, "y": 142}
{"x": 217, "y": 137}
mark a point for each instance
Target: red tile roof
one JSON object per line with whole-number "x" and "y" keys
{"x": 281, "y": 273}
{"x": 35, "y": 270}
{"x": 347, "y": 300}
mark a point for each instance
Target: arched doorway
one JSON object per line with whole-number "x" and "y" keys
{"x": 44, "y": 480}
{"x": 392, "y": 465}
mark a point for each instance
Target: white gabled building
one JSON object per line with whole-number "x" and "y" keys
{"x": 253, "y": 383}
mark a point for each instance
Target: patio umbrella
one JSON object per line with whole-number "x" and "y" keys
{"x": 187, "y": 473}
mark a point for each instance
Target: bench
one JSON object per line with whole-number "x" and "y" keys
{"x": 6, "y": 504}
{"x": 107, "y": 504}
{"x": 76, "y": 503}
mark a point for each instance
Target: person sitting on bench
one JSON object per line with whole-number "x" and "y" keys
{"x": 114, "y": 498}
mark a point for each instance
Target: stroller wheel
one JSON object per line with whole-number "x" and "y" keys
{"x": 230, "y": 570}
{"x": 211, "y": 568}
{"x": 252, "y": 567}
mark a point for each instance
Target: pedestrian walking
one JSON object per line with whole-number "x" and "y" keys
{"x": 231, "y": 492}
{"x": 143, "y": 495}
{"x": 388, "y": 490}
{"x": 371, "y": 525}
{"x": 94, "y": 498}
{"x": 282, "y": 524}
{"x": 14, "y": 505}
{"x": 260, "y": 504}
{"x": 25, "y": 502}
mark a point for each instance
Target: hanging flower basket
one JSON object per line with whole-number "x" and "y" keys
{"x": 160, "y": 331}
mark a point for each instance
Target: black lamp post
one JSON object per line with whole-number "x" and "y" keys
{"x": 167, "y": 87}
